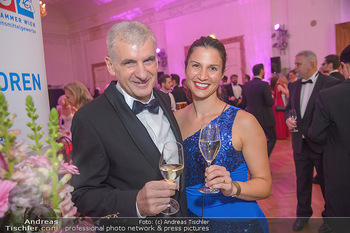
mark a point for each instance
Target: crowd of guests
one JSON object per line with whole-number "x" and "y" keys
{"x": 316, "y": 124}
{"x": 270, "y": 104}
{"x": 179, "y": 95}
{"x": 253, "y": 115}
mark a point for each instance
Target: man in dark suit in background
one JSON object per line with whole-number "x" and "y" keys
{"x": 307, "y": 154}
{"x": 331, "y": 126}
{"x": 257, "y": 99}
{"x": 165, "y": 86}
{"x": 246, "y": 79}
{"x": 232, "y": 93}
{"x": 331, "y": 65}
{"x": 178, "y": 92}
{"x": 117, "y": 139}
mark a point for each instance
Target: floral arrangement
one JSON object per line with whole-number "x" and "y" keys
{"x": 33, "y": 186}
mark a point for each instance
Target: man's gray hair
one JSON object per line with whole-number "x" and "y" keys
{"x": 131, "y": 32}
{"x": 309, "y": 55}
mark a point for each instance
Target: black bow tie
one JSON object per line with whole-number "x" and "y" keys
{"x": 152, "y": 107}
{"x": 308, "y": 81}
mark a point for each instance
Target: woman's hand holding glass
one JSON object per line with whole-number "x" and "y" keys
{"x": 209, "y": 145}
{"x": 217, "y": 177}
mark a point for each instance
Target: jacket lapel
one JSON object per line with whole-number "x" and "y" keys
{"x": 133, "y": 125}
{"x": 169, "y": 115}
{"x": 138, "y": 132}
{"x": 297, "y": 98}
{"x": 311, "y": 104}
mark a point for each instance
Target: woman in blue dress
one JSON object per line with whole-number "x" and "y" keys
{"x": 243, "y": 148}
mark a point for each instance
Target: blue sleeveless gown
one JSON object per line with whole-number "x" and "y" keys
{"x": 231, "y": 214}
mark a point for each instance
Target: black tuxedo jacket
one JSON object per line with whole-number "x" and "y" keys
{"x": 331, "y": 125}
{"x": 227, "y": 92}
{"x": 116, "y": 156}
{"x": 304, "y": 123}
{"x": 179, "y": 94}
{"x": 257, "y": 99}
{"x": 337, "y": 75}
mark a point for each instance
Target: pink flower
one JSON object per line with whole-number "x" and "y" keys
{"x": 17, "y": 151}
{"x": 3, "y": 166}
{"x": 25, "y": 175}
{"x": 5, "y": 188}
{"x": 68, "y": 168}
{"x": 39, "y": 161}
{"x": 67, "y": 206}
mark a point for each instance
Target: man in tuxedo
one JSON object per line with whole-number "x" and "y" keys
{"x": 330, "y": 126}
{"x": 233, "y": 92}
{"x": 178, "y": 92}
{"x": 331, "y": 65}
{"x": 165, "y": 86}
{"x": 292, "y": 76}
{"x": 257, "y": 99}
{"x": 307, "y": 154}
{"x": 118, "y": 137}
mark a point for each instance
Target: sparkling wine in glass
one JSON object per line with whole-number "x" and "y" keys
{"x": 171, "y": 164}
{"x": 209, "y": 145}
{"x": 293, "y": 115}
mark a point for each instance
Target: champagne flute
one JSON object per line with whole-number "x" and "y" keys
{"x": 171, "y": 164}
{"x": 293, "y": 115}
{"x": 209, "y": 144}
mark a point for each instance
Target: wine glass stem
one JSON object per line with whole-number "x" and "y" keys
{"x": 208, "y": 165}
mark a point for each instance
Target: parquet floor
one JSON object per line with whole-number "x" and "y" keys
{"x": 280, "y": 207}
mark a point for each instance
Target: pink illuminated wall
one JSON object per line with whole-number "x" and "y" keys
{"x": 71, "y": 49}
{"x": 225, "y": 21}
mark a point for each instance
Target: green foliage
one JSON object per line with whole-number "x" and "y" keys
{"x": 6, "y": 122}
{"x": 53, "y": 133}
{"x": 37, "y": 134}
{"x": 52, "y": 152}
{"x": 9, "y": 136}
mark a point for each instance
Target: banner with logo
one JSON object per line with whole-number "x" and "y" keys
{"x": 22, "y": 64}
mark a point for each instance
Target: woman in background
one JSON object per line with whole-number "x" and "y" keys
{"x": 243, "y": 147}
{"x": 281, "y": 95}
{"x": 273, "y": 84}
{"x": 77, "y": 94}
{"x": 65, "y": 113}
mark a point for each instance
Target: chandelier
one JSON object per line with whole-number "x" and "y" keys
{"x": 162, "y": 57}
{"x": 281, "y": 38}
{"x": 43, "y": 11}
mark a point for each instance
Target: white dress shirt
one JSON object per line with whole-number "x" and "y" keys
{"x": 237, "y": 90}
{"x": 305, "y": 93}
{"x": 333, "y": 71}
{"x": 157, "y": 125}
